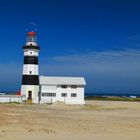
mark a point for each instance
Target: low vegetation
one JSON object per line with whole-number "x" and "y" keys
{"x": 112, "y": 98}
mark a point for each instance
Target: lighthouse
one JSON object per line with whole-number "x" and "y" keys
{"x": 30, "y": 76}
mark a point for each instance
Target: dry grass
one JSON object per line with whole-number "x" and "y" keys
{"x": 97, "y": 107}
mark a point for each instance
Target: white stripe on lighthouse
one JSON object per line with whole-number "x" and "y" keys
{"x": 30, "y": 69}
{"x": 31, "y": 52}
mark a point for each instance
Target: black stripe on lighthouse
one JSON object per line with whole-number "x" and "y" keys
{"x": 30, "y": 80}
{"x": 30, "y": 60}
{"x": 31, "y": 47}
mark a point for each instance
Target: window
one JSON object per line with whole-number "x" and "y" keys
{"x": 73, "y": 95}
{"x": 30, "y": 52}
{"x": 49, "y": 94}
{"x": 63, "y": 94}
{"x": 73, "y": 86}
{"x": 30, "y": 72}
{"x": 64, "y": 86}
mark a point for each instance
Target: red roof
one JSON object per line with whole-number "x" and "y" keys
{"x": 31, "y": 33}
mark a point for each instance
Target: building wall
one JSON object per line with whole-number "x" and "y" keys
{"x": 58, "y": 90}
{"x": 35, "y": 91}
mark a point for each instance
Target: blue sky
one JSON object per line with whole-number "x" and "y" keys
{"x": 97, "y": 39}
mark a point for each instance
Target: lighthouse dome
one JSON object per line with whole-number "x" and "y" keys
{"x": 31, "y": 33}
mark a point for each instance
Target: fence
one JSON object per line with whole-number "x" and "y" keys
{"x": 11, "y": 98}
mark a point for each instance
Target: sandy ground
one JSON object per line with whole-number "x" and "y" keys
{"x": 97, "y": 120}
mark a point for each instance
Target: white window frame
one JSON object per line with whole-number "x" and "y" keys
{"x": 49, "y": 94}
{"x": 73, "y": 95}
{"x": 65, "y": 94}
{"x": 73, "y": 86}
{"x": 64, "y": 86}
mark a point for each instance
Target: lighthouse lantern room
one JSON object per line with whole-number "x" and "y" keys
{"x": 30, "y": 77}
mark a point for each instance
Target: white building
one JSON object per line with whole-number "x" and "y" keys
{"x": 69, "y": 90}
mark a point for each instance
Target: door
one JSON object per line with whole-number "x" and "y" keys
{"x": 29, "y": 95}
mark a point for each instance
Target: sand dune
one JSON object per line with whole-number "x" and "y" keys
{"x": 97, "y": 120}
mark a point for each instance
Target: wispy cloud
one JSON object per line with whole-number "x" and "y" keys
{"x": 31, "y": 26}
{"x": 108, "y": 70}
{"x": 33, "y": 23}
{"x": 128, "y": 53}
{"x": 104, "y": 59}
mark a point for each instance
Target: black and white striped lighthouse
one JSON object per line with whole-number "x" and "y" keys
{"x": 30, "y": 78}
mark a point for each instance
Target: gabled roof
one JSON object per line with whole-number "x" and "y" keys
{"x": 52, "y": 80}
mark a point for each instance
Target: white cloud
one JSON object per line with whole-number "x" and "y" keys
{"x": 108, "y": 70}
{"x": 33, "y": 23}
{"x": 99, "y": 60}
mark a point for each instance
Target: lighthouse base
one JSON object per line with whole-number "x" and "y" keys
{"x": 31, "y": 92}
